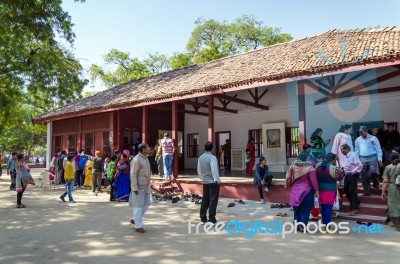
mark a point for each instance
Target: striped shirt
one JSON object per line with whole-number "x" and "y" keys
{"x": 167, "y": 145}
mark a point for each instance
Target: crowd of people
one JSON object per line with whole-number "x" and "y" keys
{"x": 128, "y": 176}
{"x": 315, "y": 178}
{"x": 321, "y": 176}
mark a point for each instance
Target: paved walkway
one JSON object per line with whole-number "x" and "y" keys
{"x": 96, "y": 231}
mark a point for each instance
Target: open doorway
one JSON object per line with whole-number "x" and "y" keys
{"x": 222, "y": 151}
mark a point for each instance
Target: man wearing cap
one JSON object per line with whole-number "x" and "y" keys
{"x": 168, "y": 148}
{"x": 140, "y": 186}
{"x": 368, "y": 149}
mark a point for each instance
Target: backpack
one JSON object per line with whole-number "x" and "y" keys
{"x": 82, "y": 161}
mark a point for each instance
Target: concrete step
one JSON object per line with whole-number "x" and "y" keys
{"x": 367, "y": 209}
{"x": 374, "y": 191}
{"x": 364, "y": 218}
{"x": 373, "y": 199}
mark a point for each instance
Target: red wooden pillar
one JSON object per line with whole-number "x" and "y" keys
{"x": 302, "y": 113}
{"x": 175, "y": 137}
{"x": 145, "y": 111}
{"x": 118, "y": 131}
{"x": 210, "y": 118}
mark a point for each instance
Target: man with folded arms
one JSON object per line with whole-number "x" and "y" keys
{"x": 368, "y": 149}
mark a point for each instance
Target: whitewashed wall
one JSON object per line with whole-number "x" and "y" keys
{"x": 283, "y": 103}
{"x": 246, "y": 119}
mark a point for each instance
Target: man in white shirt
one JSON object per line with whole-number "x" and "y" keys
{"x": 207, "y": 168}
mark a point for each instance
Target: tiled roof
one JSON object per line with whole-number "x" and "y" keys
{"x": 335, "y": 48}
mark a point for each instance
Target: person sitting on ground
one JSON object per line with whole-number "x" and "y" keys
{"x": 262, "y": 178}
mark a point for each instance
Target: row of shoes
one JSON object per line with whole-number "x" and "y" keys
{"x": 280, "y": 206}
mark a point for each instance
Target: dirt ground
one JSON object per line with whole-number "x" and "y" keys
{"x": 94, "y": 230}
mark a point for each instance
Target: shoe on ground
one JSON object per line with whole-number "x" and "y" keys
{"x": 353, "y": 212}
{"x": 140, "y": 230}
{"x": 390, "y": 224}
{"x": 262, "y": 201}
{"x": 266, "y": 189}
{"x": 72, "y": 201}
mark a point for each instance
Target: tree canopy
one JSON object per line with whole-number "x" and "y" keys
{"x": 209, "y": 40}
{"x": 38, "y": 71}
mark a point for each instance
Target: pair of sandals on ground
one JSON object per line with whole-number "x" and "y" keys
{"x": 236, "y": 201}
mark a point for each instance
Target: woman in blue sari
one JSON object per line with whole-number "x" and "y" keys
{"x": 122, "y": 179}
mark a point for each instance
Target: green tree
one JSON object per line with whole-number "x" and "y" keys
{"x": 157, "y": 63}
{"x": 35, "y": 61}
{"x": 250, "y": 34}
{"x": 210, "y": 40}
{"x": 180, "y": 60}
{"x": 123, "y": 68}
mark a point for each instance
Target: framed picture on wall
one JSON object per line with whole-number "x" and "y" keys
{"x": 273, "y": 138}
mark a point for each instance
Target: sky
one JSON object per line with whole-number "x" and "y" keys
{"x": 164, "y": 26}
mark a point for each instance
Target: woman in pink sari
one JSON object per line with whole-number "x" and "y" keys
{"x": 303, "y": 185}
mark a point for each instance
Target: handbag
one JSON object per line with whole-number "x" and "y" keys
{"x": 337, "y": 203}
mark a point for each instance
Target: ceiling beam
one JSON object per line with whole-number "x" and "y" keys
{"x": 353, "y": 90}
{"x": 169, "y": 109}
{"x": 203, "y": 105}
{"x": 241, "y": 101}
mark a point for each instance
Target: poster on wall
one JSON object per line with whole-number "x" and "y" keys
{"x": 237, "y": 159}
{"x": 274, "y": 143}
{"x": 273, "y": 138}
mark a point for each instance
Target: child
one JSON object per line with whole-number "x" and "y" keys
{"x": 69, "y": 174}
{"x": 110, "y": 176}
{"x": 105, "y": 169}
{"x": 248, "y": 157}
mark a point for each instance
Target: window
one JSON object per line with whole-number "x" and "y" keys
{"x": 192, "y": 145}
{"x": 89, "y": 143}
{"x": 106, "y": 144}
{"x": 258, "y": 143}
{"x": 292, "y": 141}
{"x": 57, "y": 144}
{"x": 71, "y": 143}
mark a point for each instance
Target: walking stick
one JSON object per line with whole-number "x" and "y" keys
{"x": 122, "y": 197}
